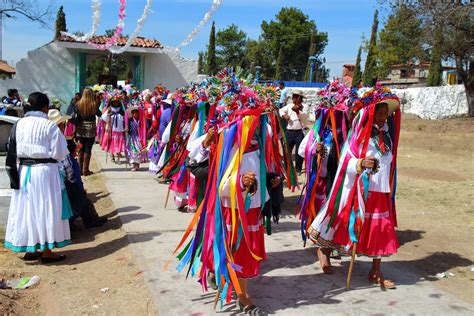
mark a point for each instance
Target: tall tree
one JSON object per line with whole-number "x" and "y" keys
{"x": 230, "y": 46}
{"x": 60, "y": 23}
{"x": 201, "y": 64}
{"x": 457, "y": 19}
{"x": 258, "y": 54}
{"x": 400, "y": 40}
{"x": 212, "y": 67}
{"x": 280, "y": 65}
{"x": 357, "y": 76}
{"x": 435, "y": 74}
{"x": 312, "y": 51}
{"x": 291, "y": 31}
{"x": 30, "y": 9}
{"x": 370, "y": 71}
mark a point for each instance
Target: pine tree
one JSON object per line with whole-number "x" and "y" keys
{"x": 211, "y": 52}
{"x": 370, "y": 71}
{"x": 60, "y": 23}
{"x": 280, "y": 65}
{"x": 201, "y": 66}
{"x": 312, "y": 51}
{"x": 435, "y": 73}
{"x": 357, "y": 76}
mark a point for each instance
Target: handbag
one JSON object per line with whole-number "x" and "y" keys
{"x": 199, "y": 169}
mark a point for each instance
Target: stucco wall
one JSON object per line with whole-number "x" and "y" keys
{"x": 428, "y": 102}
{"x": 49, "y": 69}
{"x": 169, "y": 69}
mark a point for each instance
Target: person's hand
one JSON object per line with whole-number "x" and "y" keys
{"x": 126, "y": 130}
{"x": 296, "y": 108}
{"x": 286, "y": 116}
{"x": 275, "y": 182}
{"x": 248, "y": 179}
{"x": 179, "y": 139}
{"x": 369, "y": 162}
{"x": 320, "y": 150}
{"x": 209, "y": 138}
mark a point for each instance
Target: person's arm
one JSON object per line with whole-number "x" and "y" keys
{"x": 58, "y": 150}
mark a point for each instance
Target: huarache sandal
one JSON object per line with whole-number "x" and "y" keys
{"x": 32, "y": 256}
{"x": 54, "y": 259}
{"x": 253, "y": 310}
{"x": 379, "y": 280}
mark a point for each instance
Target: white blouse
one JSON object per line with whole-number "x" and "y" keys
{"x": 39, "y": 138}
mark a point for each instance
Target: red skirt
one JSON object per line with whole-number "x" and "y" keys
{"x": 242, "y": 255}
{"x": 378, "y": 237}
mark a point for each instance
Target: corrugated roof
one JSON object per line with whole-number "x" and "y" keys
{"x": 6, "y": 68}
{"x": 102, "y": 39}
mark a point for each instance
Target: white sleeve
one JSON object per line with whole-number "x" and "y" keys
{"x": 58, "y": 150}
{"x": 304, "y": 142}
{"x": 283, "y": 110}
{"x": 165, "y": 138}
{"x": 192, "y": 137}
{"x": 196, "y": 152}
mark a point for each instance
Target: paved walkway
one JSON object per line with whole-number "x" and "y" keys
{"x": 291, "y": 282}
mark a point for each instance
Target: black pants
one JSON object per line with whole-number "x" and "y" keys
{"x": 294, "y": 139}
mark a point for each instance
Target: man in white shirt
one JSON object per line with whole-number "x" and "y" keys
{"x": 297, "y": 122}
{"x": 283, "y": 94}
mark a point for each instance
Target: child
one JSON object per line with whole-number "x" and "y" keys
{"x": 114, "y": 142}
{"x": 136, "y": 140}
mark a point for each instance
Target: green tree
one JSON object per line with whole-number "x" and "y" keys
{"x": 201, "y": 64}
{"x": 258, "y": 54}
{"x": 280, "y": 65}
{"x": 400, "y": 40}
{"x": 370, "y": 71}
{"x": 107, "y": 65}
{"x": 435, "y": 73}
{"x": 292, "y": 31}
{"x": 230, "y": 46}
{"x": 357, "y": 76}
{"x": 212, "y": 67}
{"x": 60, "y": 23}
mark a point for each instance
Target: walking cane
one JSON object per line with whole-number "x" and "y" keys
{"x": 167, "y": 197}
{"x": 351, "y": 266}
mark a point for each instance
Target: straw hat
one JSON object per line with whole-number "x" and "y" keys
{"x": 169, "y": 99}
{"x": 56, "y": 117}
{"x": 298, "y": 92}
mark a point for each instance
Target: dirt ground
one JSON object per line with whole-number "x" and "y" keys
{"x": 99, "y": 258}
{"x": 435, "y": 214}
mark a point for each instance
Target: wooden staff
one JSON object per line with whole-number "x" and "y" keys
{"x": 167, "y": 197}
{"x": 351, "y": 266}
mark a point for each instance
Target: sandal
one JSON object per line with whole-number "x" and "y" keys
{"x": 385, "y": 284}
{"x": 32, "y": 256}
{"x": 253, "y": 310}
{"x": 53, "y": 259}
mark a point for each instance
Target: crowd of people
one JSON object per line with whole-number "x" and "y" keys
{"x": 225, "y": 149}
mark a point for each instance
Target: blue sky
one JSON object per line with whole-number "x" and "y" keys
{"x": 172, "y": 20}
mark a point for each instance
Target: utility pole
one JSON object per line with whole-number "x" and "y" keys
{"x": 1, "y": 35}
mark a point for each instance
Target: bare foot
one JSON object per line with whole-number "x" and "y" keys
{"x": 324, "y": 260}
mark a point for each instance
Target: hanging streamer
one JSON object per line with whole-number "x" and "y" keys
{"x": 118, "y": 29}
{"x": 95, "y": 24}
{"x": 215, "y": 5}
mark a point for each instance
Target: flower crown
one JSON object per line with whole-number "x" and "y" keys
{"x": 375, "y": 95}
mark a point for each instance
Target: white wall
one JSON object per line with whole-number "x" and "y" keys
{"x": 428, "y": 102}
{"x": 49, "y": 69}
{"x": 169, "y": 69}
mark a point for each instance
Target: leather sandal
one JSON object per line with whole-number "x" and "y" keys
{"x": 32, "y": 256}
{"x": 53, "y": 259}
{"x": 385, "y": 284}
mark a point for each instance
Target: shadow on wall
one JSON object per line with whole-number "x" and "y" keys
{"x": 49, "y": 69}
{"x": 172, "y": 72}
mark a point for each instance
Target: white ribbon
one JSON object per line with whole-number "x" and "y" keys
{"x": 95, "y": 24}
{"x": 215, "y": 5}
{"x": 136, "y": 32}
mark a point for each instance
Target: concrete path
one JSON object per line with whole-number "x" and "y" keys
{"x": 291, "y": 282}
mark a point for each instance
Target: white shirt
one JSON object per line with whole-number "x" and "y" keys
{"x": 297, "y": 121}
{"x": 39, "y": 138}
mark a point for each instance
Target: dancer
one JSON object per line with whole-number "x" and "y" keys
{"x": 114, "y": 139}
{"x": 136, "y": 137}
{"x": 360, "y": 211}
{"x": 321, "y": 149}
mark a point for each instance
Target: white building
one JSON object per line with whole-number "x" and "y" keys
{"x": 59, "y": 68}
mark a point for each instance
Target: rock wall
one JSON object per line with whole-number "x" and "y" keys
{"x": 427, "y": 102}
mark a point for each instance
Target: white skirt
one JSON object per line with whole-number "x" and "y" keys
{"x": 34, "y": 219}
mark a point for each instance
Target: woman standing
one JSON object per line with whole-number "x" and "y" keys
{"x": 85, "y": 119}
{"x": 35, "y": 220}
